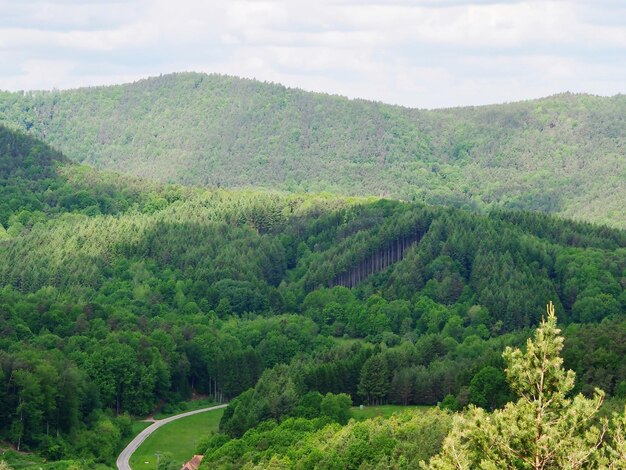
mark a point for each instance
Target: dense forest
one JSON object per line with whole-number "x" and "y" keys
{"x": 562, "y": 154}
{"x": 117, "y": 294}
{"x": 547, "y": 426}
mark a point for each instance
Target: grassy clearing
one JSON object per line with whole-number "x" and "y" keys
{"x": 178, "y": 438}
{"x": 382, "y": 410}
{"x": 182, "y": 407}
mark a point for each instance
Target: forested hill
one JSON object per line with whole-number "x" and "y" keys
{"x": 22, "y": 156}
{"x": 38, "y": 183}
{"x": 564, "y": 154}
{"x": 117, "y": 294}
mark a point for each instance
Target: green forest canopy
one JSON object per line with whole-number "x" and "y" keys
{"x": 563, "y": 154}
{"x": 117, "y": 294}
{"x": 546, "y": 427}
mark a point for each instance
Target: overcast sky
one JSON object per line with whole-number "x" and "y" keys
{"x": 421, "y": 53}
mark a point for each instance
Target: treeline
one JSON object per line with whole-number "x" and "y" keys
{"x": 455, "y": 367}
{"x": 545, "y": 424}
{"x": 401, "y": 441}
{"x": 562, "y": 154}
{"x": 69, "y": 369}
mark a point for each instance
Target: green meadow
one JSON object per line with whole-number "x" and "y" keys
{"x": 177, "y": 438}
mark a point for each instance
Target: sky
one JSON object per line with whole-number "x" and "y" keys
{"x": 420, "y": 53}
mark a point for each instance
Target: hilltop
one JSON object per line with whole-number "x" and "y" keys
{"x": 563, "y": 154}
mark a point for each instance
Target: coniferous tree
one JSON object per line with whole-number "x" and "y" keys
{"x": 373, "y": 386}
{"x": 543, "y": 429}
{"x": 614, "y": 452}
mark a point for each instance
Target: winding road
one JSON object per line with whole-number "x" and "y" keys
{"x": 123, "y": 461}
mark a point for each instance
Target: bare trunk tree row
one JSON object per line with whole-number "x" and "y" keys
{"x": 379, "y": 261}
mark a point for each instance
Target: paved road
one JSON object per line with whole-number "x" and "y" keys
{"x": 124, "y": 458}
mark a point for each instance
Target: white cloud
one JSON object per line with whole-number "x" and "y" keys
{"x": 418, "y": 53}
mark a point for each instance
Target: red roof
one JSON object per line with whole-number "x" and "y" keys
{"x": 194, "y": 463}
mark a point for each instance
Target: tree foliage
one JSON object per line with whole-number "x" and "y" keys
{"x": 545, "y": 428}
{"x": 400, "y": 441}
{"x": 230, "y": 132}
{"x": 117, "y": 294}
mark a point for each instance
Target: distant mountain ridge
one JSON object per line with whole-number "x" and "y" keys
{"x": 565, "y": 154}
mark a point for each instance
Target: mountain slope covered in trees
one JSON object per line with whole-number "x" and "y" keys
{"x": 130, "y": 297}
{"x": 117, "y": 294}
{"x": 38, "y": 183}
{"x": 564, "y": 154}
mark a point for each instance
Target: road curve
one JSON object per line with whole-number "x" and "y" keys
{"x": 123, "y": 461}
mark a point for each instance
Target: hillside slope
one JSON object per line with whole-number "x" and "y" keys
{"x": 565, "y": 154}
{"x": 117, "y": 294}
{"x": 38, "y": 183}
